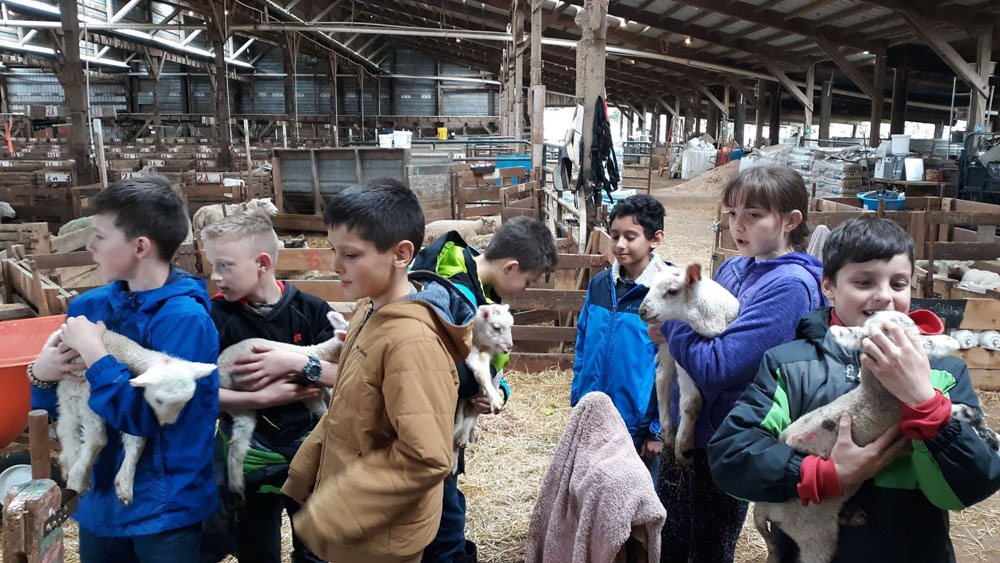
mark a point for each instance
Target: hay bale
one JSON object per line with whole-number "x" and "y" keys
{"x": 712, "y": 181}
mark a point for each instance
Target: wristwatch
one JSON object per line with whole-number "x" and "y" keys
{"x": 313, "y": 370}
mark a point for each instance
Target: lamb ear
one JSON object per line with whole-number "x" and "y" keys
{"x": 693, "y": 273}
{"x": 199, "y": 370}
{"x": 145, "y": 379}
{"x": 484, "y": 312}
{"x": 939, "y": 346}
{"x": 849, "y": 337}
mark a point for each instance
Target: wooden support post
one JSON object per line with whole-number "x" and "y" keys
{"x": 537, "y": 96}
{"x": 810, "y": 88}
{"x": 361, "y": 102}
{"x": 878, "y": 102}
{"x": 185, "y": 86}
{"x": 215, "y": 14}
{"x": 334, "y": 102}
{"x": 713, "y": 122}
{"x": 900, "y": 83}
{"x": 825, "y": 109}
{"x": 590, "y": 72}
{"x": 70, "y": 74}
{"x": 759, "y": 115}
{"x": 517, "y": 27}
{"x": 740, "y": 121}
{"x": 154, "y": 64}
{"x": 978, "y": 110}
{"x": 437, "y": 84}
{"x": 289, "y": 58}
{"x": 38, "y": 444}
{"x": 774, "y": 125}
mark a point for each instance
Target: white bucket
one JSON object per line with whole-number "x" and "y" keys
{"x": 401, "y": 139}
{"x": 385, "y": 141}
{"x": 900, "y": 144}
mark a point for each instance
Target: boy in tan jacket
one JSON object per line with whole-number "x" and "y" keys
{"x": 370, "y": 475}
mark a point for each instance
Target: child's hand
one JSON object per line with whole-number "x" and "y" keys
{"x": 285, "y": 392}
{"x": 651, "y": 449}
{"x": 85, "y": 337}
{"x": 901, "y": 364}
{"x": 655, "y": 335}
{"x": 856, "y": 464}
{"x": 481, "y": 405}
{"x": 267, "y": 365}
{"x": 55, "y": 363}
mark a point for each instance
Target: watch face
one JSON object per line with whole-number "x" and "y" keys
{"x": 313, "y": 370}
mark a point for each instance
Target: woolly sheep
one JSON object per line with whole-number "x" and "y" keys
{"x": 979, "y": 280}
{"x": 873, "y": 410}
{"x": 468, "y": 228}
{"x": 490, "y": 336}
{"x": 244, "y": 422}
{"x": 683, "y": 294}
{"x": 212, "y": 213}
{"x": 168, "y": 383}
{"x": 6, "y": 211}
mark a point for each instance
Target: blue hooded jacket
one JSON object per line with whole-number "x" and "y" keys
{"x": 174, "y": 479}
{"x": 614, "y": 354}
{"x": 774, "y": 295}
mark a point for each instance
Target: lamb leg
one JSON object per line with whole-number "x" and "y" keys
{"x": 690, "y": 405}
{"x": 665, "y": 372}
{"x": 125, "y": 478}
{"x": 243, "y": 426}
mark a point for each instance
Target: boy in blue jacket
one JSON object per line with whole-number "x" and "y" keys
{"x": 911, "y": 476}
{"x": 138, "y": 225}
{"x": 614, "y": 353}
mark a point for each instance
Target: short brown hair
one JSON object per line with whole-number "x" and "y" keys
{"x": 526, "y": 240}
{"x": 779, "y": 188}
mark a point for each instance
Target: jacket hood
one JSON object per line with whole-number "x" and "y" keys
{"x": 647, "y": 275}
{"x": 815, "y": 328}
{"x": 179, "y": 284}
{"x": 445, "y": 307}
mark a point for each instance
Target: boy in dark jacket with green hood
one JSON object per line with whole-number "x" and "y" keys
{"x": 914, "y": 473}
{"x": 521, "y": 252}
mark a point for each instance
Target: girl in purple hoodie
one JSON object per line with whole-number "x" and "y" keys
{"x": 776, "y": 284}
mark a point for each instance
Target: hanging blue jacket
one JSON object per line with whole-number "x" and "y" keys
{"x": 174, "y": 479}
{"x": 774, "y": 295}
{"x": 614, "y": 354}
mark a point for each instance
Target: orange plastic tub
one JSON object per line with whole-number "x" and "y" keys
{"x": 21, "y": 342}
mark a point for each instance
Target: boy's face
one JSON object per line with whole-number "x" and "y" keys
{"x": 513, "y": 280}
{"x": 236, "y": 269}
{"x": 631, "y": 247}
{"x": 117, "y": 258}
{"x": 862, "y": 288}
{"x": 363, "y": 270}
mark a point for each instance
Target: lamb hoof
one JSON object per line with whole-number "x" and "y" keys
{"x": 852, "y": 516}
{"x": 124, "y": 492}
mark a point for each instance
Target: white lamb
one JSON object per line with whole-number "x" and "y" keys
{"x": 873, "y": 410}
{"x": 244, "y": 422}
{"x": 684, "y": 295}
{"x": 468, "y": 228}
{"x": 6, "y": 211}
{"x": 212, "y": 213}
{"x": 168, "y": 383}
{"x": 979, "y": 281}
{"x": 491, "y": 335}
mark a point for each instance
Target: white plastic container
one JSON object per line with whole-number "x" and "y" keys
{"x": 696, "y": 162}
{"x": 914, "y": 168}
{"x": 900, "y": 145}
{"x": 385, "y": 141}
{"x": 401, "y": 139}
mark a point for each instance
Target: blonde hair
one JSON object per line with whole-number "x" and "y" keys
{"x": 254, "y": 228}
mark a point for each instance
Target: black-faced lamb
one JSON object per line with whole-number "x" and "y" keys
{"x": 244, "y": 422}
{"x": 873, "y": 410}
{"x": 168, "y": 384}
{"x": 491, "y": 335}
{"x": 684, "y": 295}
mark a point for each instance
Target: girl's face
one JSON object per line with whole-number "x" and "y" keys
{"x": 762, "y": 233}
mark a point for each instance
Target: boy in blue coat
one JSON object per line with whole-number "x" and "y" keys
{"x": 138, "y": 225}
{"x": 614, "y": 353}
